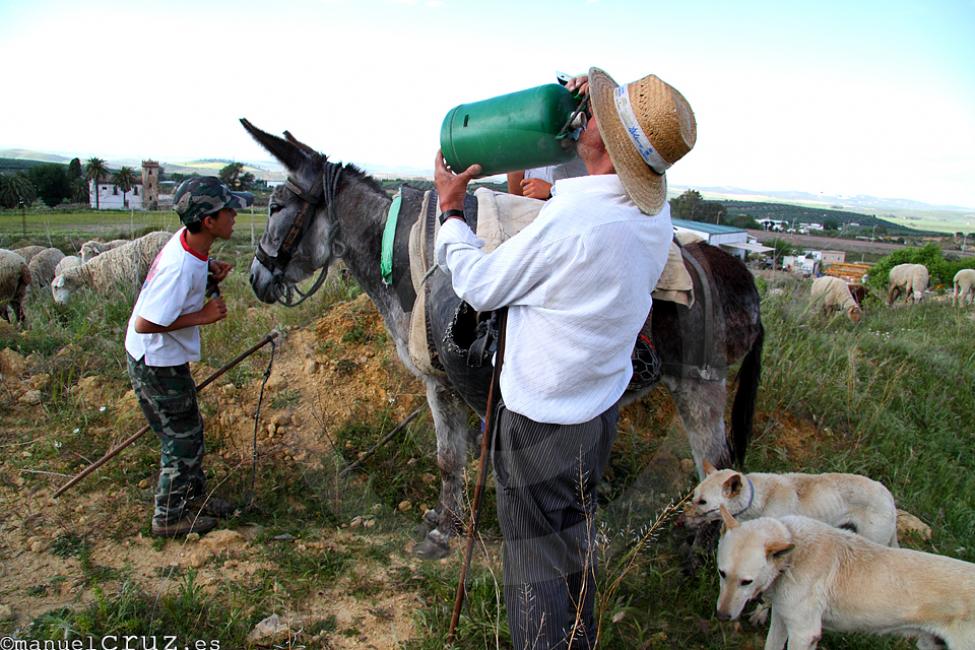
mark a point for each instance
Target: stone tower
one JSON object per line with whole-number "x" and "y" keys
{"x": 150, "y": 185}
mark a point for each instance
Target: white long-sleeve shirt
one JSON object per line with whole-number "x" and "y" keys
{"x": 577, "y": 282}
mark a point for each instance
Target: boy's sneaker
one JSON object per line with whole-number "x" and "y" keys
{"x": 188, "y": 523}
{"x": 211, "y": 506}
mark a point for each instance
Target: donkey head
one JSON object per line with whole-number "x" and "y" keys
{"x": 299, "y": 235}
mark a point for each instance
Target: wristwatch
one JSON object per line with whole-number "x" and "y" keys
{"x": 447, "y": 214}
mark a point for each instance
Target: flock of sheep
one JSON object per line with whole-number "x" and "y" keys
{"x": 99, "y": 266}
{"x": 104, "y": 265}
{"x": 909, "y": 280}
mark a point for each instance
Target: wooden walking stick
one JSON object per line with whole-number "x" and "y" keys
{"x": 111, "y": 453}
{"x": 479, "y": 486}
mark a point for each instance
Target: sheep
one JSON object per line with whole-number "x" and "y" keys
{"x": 964, "y": 287}
{"x": 126, "y": 264}
{"x": 28, "y": 252}
{"x": 94, "y": 248}
{"x": 42, "y": 267}
{"x": 910, "y": 279}
{"x": 14, "y": 280}
{"x": 67, "y": 262}
{"x": 834, "y": 293}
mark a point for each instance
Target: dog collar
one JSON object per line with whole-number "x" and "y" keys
{"x": 751, "y": 497}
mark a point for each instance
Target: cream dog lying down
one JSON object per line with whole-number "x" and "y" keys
{"x": 849, "y": 501}
{"x": 816, "y": 576}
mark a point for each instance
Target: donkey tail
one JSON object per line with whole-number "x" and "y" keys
{"x": 743, "y": 409}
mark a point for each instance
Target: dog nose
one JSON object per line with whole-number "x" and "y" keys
{"x": 723, "y": 616}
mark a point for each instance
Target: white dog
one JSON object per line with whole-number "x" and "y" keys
{"x": 849, "y": 501}
{"x": 816, "y": 576}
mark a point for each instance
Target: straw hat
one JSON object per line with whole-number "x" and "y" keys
{"x": 647, "y": 126}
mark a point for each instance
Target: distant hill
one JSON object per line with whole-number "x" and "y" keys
{"x": 12, "y": 160}
{"x": 33, "y": 156}
{"x": 948, "y": 217}
{"x": 855, "y": 203}
{"x": 14, "y": 165}
{"x": 801, "y": 215}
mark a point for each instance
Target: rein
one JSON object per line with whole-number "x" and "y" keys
{"x": 323, "y": 191}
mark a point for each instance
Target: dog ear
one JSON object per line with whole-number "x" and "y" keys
{"x": 732, "y": 486}
{"x": 709, "y": 469}
{"x": 729, "y": 521}
{"x": 778, "y": 550}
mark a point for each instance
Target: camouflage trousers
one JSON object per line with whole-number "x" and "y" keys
{"x": 167, "y": 396}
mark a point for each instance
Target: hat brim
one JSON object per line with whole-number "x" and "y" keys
{"x": 646, "y": 188}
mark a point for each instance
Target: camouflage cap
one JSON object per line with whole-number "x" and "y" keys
{"x": 197, "y": 197}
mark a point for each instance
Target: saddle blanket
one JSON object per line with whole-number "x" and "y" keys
{"x": 500, "y": 216}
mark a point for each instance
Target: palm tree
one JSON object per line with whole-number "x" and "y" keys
{"x": 17, "y": 191}
{"x": 125, "y": 179}
{"x": 94, "y": 169}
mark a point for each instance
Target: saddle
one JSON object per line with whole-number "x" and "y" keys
{"x": 450, "y": 339}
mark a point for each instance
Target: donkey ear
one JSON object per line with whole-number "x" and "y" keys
{"x": 709, "y": 469}
{"x": 301, "y": 145}
{"x": 730, "y": 522}
{"x": 290, "y": 155}
{"x": 732, "y": 486}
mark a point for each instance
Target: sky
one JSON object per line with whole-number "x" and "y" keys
{"x": 829, "y": 96}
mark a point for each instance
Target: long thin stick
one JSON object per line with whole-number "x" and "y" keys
{"x": 386, "y": 438}
{"x": 479, "y": 486}
{"x": 111, "y": 453}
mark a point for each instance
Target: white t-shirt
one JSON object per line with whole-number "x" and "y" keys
{"x": 176, "y": 285}
{"x": 572, "y": 169}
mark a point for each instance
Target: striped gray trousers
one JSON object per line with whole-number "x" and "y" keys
{"x": 546, "y": 475}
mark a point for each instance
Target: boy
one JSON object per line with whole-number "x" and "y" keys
{"x": 164, "y": 336}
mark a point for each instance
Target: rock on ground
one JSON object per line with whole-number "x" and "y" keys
{"x": 272, "y": 630}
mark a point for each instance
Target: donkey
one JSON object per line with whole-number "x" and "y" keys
{"x": 328, "y": 210}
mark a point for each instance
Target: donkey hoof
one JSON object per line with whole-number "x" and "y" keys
{"x": 432, "y": 548}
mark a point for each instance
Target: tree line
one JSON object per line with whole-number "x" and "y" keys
{"x": 55, "y": 184}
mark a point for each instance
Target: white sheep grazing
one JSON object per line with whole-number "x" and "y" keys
{"x": 834, "y": 293}
{"x": 42, "y": 267}
{"x": 910, "y": 279}
{"x": 14, "y": 280}
{"x": 28, "y": 252}
{"x": 126, "y": 264}
{"x": 964, "y": 287}
{"x": 94, "y": 248}
{"x": 67, "y": 262}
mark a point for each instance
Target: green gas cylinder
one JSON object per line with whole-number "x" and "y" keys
{"x": 510, "y": 132}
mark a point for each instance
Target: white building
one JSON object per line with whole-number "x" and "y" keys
{"x": 773, "y": 225}
{"x": 733, "y": 240}
{"x": 110, "y": 196}
{"x": 143, "y": 195}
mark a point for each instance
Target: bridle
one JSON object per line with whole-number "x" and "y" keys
{"x": 323, "y": 191}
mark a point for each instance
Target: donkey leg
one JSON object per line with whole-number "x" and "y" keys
{"x": 450, "y": 421}
{"x": 701, "y": 407}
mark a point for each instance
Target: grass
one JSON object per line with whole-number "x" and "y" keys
{"x": 890, "y": 398}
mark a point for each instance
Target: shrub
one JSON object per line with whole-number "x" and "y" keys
{"x": 942, "y": 271}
